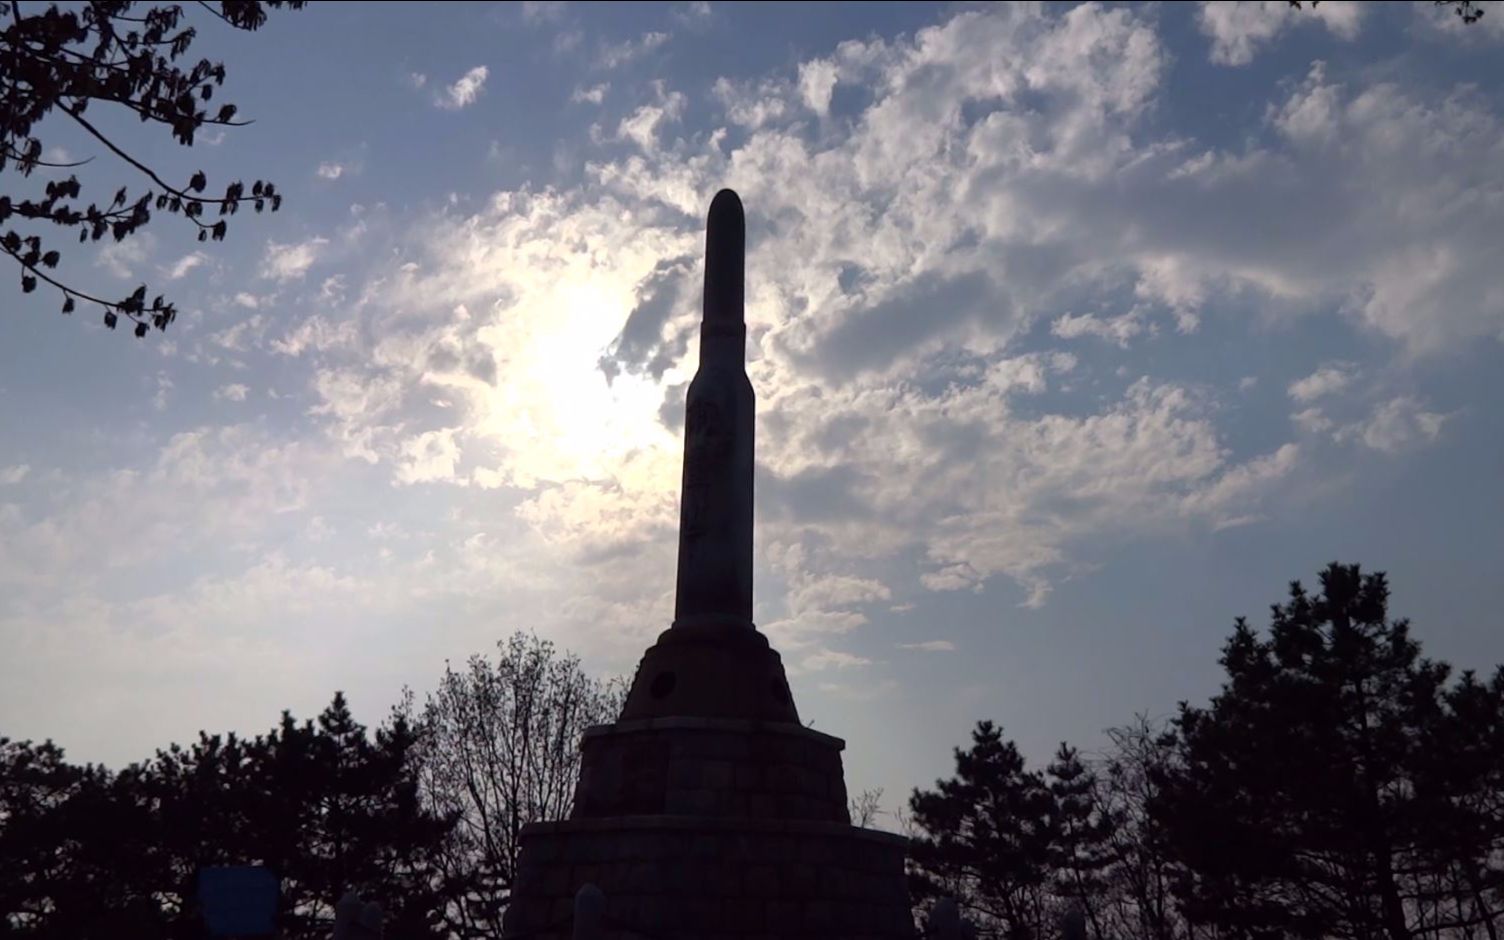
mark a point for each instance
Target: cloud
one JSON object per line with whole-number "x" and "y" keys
{"x": 1395, "y": 426}
{"x": 185, "y": 264}
{"x": 642, "y": 125}
{"x": 615, "y": 55}
{"x": 881, "y": 434}
{"x": 316, "y": 333}
{"x": 124, "y": 257}
{"x": 917, "y": 271}
{"x": 330, "y": 170}
{"x": 1118, "y": 330}
{"x": 930, "y": 646}
{"x": 232, "y": 392}
{"x": 1238, "y": 29}
{"x": 1312, "y": 420}
{"x": 13, "y": 474}
{"x": 1327, "y": 380}
{"x": 595, "y": 94}
{"x": 817, "y": 82}
{"x": 465, "y": 91}
{"x": 543, "y": 11}
{"x": 290, "y": 262}
{"x": 832, "y": 659}
{"x": 429, "y": 457}
{"x": 241, "y": 335}
{"x": 164, "y": 387}
{"x": 1241, "y": 486}
{"x": 202, "y": 491}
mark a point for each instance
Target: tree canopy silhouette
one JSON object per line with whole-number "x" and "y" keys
{"x": 323, "y": 805}
{"x": 500, "y": 748}
{"x": 986, "y": 838}
{"x": 58, "y": 62}
{"x": 1338, "y": 786}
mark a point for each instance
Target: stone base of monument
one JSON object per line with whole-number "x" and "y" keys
{"x": 710, "y": 767}
{"x": 712, "y": 829}
{"x": 701, "y": 878}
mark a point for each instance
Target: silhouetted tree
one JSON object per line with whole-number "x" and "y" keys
{"x": 340, "y": 812}
{"x": 73, "y": 841}
{"x": 1319, "y": 793}
{"x": 500, "y": 749}
{"x": 1461, "y": 778}
{"x": 1138, "y": 900}
{"x": 866, "y": 807}
{"x": 1081, "y": 829}
{"x": 61, "y": 60}
{"x": 93, "y": 854}
{"x": 984, "y": 837}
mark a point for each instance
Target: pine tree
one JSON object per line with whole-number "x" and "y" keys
{"x": 337, "y": 812}
{"x": 984, "y": 838}
{"x": 1310, "y": 794}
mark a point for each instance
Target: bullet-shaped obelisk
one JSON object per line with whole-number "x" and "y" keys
{"x": 715, "y": 513}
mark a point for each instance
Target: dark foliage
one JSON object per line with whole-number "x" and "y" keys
{"x": 985, "y": 838}
{"x": 1468, "y": 10}
{"x": 500, "y": 749}
{"x": 60, "y": 61}
{"x": 1341, "y": 785}
{"x": 327, "y": 807}
{"x": 1338, "y": 786}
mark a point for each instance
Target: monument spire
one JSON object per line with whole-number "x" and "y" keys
{"x": 712, "y": 662}
{"x": 715, "y": 514}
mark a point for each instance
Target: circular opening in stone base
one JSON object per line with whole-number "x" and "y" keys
{"x": 663, "y": 684}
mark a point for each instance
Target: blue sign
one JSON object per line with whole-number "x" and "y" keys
{"x": 238, "y": 901}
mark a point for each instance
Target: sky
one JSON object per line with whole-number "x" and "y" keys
{"x": 1077, "y": 331}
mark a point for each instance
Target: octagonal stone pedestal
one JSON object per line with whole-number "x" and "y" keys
{"x": 712, "y": 829}
{"x": 689, "y": 878}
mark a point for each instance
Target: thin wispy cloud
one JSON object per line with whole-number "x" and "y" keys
{"x": 616, "y": 55}
{"x": 185, "y": 264}
{"x": 465, "y": 91}
{"x": 595, "y": 94}
{"x": 287, "y": 262}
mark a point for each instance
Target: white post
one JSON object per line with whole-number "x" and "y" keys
{"x": 589, "y": 913}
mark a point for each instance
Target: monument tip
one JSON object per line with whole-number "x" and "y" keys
{"x": 726, "y": 209}
{"x": 725, "y": 251}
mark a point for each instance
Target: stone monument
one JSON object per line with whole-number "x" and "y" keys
{"x": 707, "y": 811}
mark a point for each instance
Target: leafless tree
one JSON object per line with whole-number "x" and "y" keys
{"x": 866, "y": 807}
{"x": 1139, "y": 901}
{"x": 501, "y": 749}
